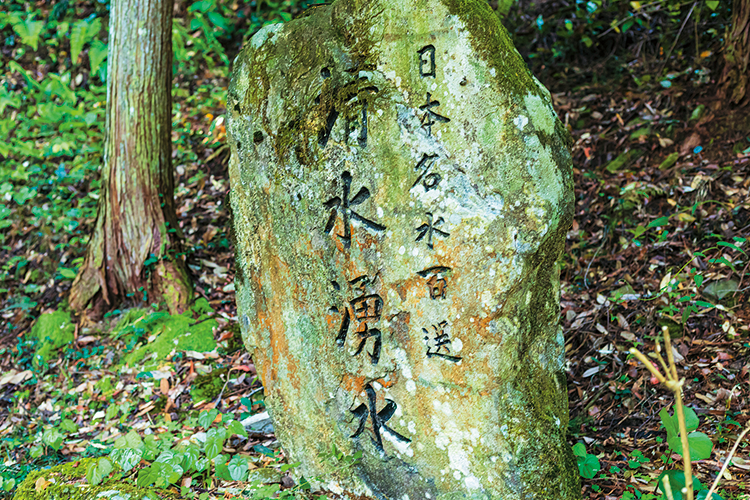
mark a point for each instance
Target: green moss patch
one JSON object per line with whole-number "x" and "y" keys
{"x": 68, "y": 481}
{"x": 53, "y": 331}
{"x": 189, "y": 331}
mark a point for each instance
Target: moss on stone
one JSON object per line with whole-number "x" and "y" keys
{"x": 492, "y": 42}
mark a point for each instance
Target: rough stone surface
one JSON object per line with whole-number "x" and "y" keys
{"x": 401, "y": 188}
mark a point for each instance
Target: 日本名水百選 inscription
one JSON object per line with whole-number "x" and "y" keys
{"x": 438, "y": 342}
{"x": 427, "y": 61}
{"x": 430, "y": 229}
{"x": 428, "y": 179}
{"x": 436, "y": 280}
{"x": 431, "y": 116}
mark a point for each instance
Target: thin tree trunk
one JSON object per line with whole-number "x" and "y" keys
{"x": 734, "y": 79}
{"x": 134, "y": 250}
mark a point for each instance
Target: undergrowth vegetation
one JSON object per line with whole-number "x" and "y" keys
{"x": 172, "y": 404}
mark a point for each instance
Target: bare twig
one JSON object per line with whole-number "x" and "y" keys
{"x": 726, "y": 463}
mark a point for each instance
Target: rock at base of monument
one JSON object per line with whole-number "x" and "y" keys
{"x": 401, "y": 191}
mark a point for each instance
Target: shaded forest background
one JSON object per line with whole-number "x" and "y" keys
{"x": 661, "y": 147}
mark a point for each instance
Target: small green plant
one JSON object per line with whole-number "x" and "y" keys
{"x": 681, "y": 435}
{"x": 588, "y": 464}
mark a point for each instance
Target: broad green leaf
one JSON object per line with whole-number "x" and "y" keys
{"x": 112, "y": 409}
{"x": 53, "y": 438}
{"x": 148, "y": 475}
{"x": 579, "y": 450}
{"x": 661, "y": 221}
{"x": 98, "y": 470}
{"x": 127, "y": 458}
{"x": 190, "y": 455}
{"x": 691, "y": 419}
{"x": 170, "y": 457}
{"x": 677, "y": 482}
{"x": 206, "y": 417}
{"x": 588, "y": 466}
{"x": 700, "y": 446}
{"x": 704, "y": 493}
{"x": 237, "y": 428}
{"x": 129, "y": 440}
{"x": 238, "y": 468}
{"x": 712, "y": 4}
{"x": 8, "y": 484}
{"x": 213, "y": 448}
{"x": 670, "y": 424}
{"x": 68, "y": 425}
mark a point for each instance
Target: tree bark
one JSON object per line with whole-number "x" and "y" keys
{"x": 735, "y": 76}
{"x": 134, "y": 249}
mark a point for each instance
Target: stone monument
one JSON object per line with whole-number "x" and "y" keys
{"x": 401, "y": 190}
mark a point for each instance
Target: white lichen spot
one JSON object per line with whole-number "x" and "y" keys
{"x": 402, "y": 447}
{"x": 415, "y": 252}
{"x": 456, "y": 344}
{"x": 335, "y": 487}
{"x": 412, "y": 427}
{"x": 486, "y": 298}
{"x": 456, "y": 474}
{"x": 262, "y": 35}
{"x": 377, "y": 386}
{"x": 380, "y": 212}
{"x": 493, "y": 72}
{"x": 411, "y": 386}
{"x": 402, "y": 250}
{"x": 472, "y": 483}
{"x": 520, "y": 121}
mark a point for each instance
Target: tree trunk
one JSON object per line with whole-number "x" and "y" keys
{"x": 734, "y": 78}
{"x": 134, "y": 250}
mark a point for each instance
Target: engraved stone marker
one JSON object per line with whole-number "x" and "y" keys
{"x": 401, "y": 189}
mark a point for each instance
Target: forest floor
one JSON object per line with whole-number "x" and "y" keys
{"x": 659, "y": 240}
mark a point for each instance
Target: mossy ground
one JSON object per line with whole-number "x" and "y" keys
{"x": 68, "y": 482}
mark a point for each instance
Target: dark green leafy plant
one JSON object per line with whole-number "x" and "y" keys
{"x": 588, "y": 464}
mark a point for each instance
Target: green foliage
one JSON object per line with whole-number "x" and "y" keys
{"x": 588, "y": 464}
{"x": 81, "y": 33}
{"x": 98, "y": 471}
{"x": 174, "y": 461}
{"x": 700, "y": 445}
